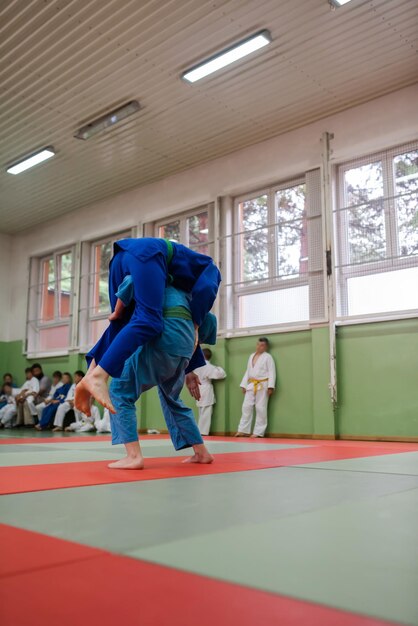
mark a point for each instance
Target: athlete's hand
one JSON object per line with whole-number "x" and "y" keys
{"x": 192, "y": 384}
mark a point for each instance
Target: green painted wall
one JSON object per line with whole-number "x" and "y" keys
{"x": 13, "y": 360}
{"x": 377, "y": 381}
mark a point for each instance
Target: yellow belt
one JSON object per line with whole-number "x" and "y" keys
{"x": 257, "y": 383}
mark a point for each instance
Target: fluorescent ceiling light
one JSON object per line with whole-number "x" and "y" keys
{"x": 110, "y": 119}
{"x": 228, "y": 56}
{"x": 31, "y": 160}
{"x": 339, "y": 3}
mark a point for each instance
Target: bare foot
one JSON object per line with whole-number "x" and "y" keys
{"x": 38, "y": 427}
{"x": 238, "y": 434}
{"x": 200, "y": 457}
{"x": 57, "y": 429}
{"x": 128, "y": 462}
{"x": 95, "y": 384}
{"x": 82, "y": 397}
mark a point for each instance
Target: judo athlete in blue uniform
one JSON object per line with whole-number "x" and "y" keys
{"x": 152, "y": 263}
{"x": 161, "y": 362}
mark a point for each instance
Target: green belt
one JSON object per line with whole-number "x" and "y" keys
{"x": 180, "y": 312}
{"x": 170, "y": 253}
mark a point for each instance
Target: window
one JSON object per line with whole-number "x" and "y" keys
{"x": 190, "y": 229}
{"x": 273, "y": 281}
{"x": 376, "y": 232}
{"x": 95, "y": 306}
{"x": 50, "y": 301}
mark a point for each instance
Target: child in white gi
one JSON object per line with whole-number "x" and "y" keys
{"x": 102, "y": 424}
{"x": 29, "y": 388}
{"x": 258, "y": 385}
{"x": 206, "y": 374}
{"x": 84, "y": 423}
{"x": 9, "y": 411}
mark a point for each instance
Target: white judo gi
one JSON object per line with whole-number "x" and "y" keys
{"x": 84, "y": 424}
{"x": 29, "y": 389}
{"x": 65, "y": 407}
{"x": 206, "y": 374}
{"x": 9, "y": 411}
{"x": 258, "y": 378}
{"x": 40, "y": 407}
{"x": 102, "y": 424}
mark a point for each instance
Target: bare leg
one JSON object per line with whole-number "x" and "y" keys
{"x": 93, "y": 384}
{"x": 133, "y": 460}
{"x": 201, "y": 455}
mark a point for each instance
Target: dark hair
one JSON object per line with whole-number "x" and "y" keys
{"x": 7, "y": 385}
{"x": 7, "y": 374}
{"x": 36, "y": 365}
{"x": 28, "y": 369}
{"x": 79, "y": 373}
{"x": 264, "y": 340}
{"x": 57, "y": 373}
{"x": 69, "y": 375}
{"x": 207, "y": 354}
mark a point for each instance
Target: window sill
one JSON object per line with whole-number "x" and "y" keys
{"x": 46, "y": 355}
{"x": 371, "y": 319}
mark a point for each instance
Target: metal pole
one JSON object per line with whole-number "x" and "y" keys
{"x": 326, "y": 190}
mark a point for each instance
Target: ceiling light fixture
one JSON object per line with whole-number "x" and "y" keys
{"x": 30, "y": 161}
{"x": 227, "y": 56}
{"x": 110, "y": 119}
{"x": 338, "y": 3}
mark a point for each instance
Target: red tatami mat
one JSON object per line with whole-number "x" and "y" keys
{"x": 106, "y": 589}
{"x": 23, "y": 551}
{"x": 53, "y": 439}
{"x": 21, "y": 479}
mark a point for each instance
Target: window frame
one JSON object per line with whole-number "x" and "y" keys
{"x": 35, "y": 303}
{"x": 274, "y": 280}
{"x": 392, "y": 262}
{"x": 184, "y": 233}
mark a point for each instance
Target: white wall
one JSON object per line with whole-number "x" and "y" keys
{"x": 5, "y": 286}
{"x": 370, "y": 127}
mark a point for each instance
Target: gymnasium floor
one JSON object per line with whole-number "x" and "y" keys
{"x": 286, "y": 532}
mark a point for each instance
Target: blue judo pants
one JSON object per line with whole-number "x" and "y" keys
{"x": 147, "y": 368}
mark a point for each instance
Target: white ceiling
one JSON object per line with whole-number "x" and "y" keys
{"x": 66, "y": 62}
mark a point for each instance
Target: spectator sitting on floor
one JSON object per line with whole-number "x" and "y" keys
{"x": 68, "y": 405}
{"x": 60, "y": 396}
{"x": 31, "y": 414}
{"x": 8, "y": 411}
{"x": 29, "y": 387}
{"x": 83, "y": 423}
{"x": 7, "y": 380}
{"x": 102, "y": 424}
{"x": 56, "y": 384}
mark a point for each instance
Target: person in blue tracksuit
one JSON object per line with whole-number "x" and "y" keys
{"x": 152, "y": 263}
{"x": 161, "y": 362}
{"x": 58, "y": 398}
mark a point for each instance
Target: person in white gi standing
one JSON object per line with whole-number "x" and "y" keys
{"x": 206, "y": 374}
{"x": 258, "y": 385}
